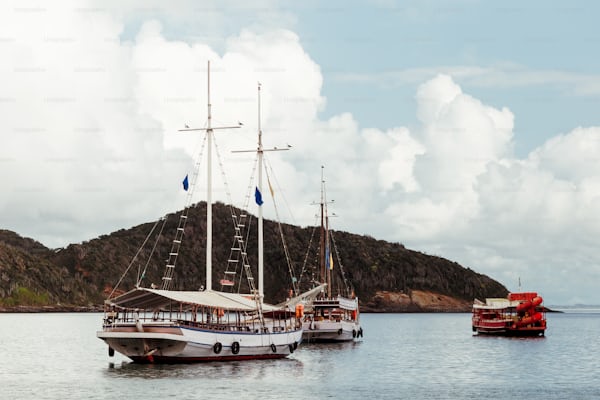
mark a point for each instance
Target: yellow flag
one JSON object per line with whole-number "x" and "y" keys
{"x": 270, "y": 187}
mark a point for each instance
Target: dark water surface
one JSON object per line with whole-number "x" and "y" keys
{"x": 412, "y": 356}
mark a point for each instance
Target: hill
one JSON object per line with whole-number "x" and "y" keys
{"x": 387, "y": 277}
{"x": 30, "y": 278}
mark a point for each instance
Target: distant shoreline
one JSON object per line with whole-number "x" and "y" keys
{"x": 96, "y": 309}
{"x": 366, "y": 310}
{"x": 49, "y": 309}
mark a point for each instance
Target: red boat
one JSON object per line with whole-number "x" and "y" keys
{"x": 520, "y": 314}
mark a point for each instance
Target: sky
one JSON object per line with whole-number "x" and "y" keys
{"x": 462, "y": 129}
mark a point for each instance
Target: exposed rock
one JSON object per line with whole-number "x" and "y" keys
{"x": 416, "y": 301}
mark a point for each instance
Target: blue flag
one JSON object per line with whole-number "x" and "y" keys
{"x": 258, "y": 197}
{"x": 186, "y": 183}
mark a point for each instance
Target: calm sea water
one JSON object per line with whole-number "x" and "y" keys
{"x": 413, "y": 356}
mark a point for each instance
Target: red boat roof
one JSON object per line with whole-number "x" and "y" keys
{"x": 524, "y": 296}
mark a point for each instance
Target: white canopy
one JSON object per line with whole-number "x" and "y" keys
{"x": 151, "y": 299}
{"x": 495, "y": 304}
{"x": 306, "y": 297}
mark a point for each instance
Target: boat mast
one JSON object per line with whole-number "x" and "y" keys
{"x": 325, "y": 255}
{"x": 322, "y": 237}
{"x": 327, "y": 244}
{"x": 209, "y": 133}
{"x": 260, "y": 150}
{"x": 209, "y": 136}
{"x": 261, "y": 293}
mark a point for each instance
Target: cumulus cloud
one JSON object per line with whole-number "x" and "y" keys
{"x": 90, "y": 141}
{"x": 459, "y": 136}
{"x": 476, "y": 203}
{"x": 75, "y": 148}
{"x": 397, "y": 166}
{"x": 542, "y": 212}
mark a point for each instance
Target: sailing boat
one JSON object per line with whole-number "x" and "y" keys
{"x": 151, "y": 325}
{"x": 328, "y": 318}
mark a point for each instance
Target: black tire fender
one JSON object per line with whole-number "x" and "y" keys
{"x": 235, "y": 347}
{"x": 217, "y": 347}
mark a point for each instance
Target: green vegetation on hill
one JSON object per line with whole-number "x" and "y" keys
{"x": 83, "y": 274}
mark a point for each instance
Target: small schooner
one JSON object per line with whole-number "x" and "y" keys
{"x": 328, "y": 317}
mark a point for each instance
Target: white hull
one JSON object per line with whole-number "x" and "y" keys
{"x": 331, "y": 331}
{"x": 179, "y": 344}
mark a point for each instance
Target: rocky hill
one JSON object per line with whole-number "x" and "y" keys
{"x": 387, "y": 277}
{"x": 29, "y": 277}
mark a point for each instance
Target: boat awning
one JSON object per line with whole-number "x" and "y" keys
{"x": 337, "y": 302}
{"x": 495, "y": 304}
{"x": 305, "y": 297}
{"x": 151, "y": 299}
{"x": 348, "y": 304}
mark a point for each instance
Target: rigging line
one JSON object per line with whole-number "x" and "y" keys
{"x": 247, "y": 198}
{"x": 134, "y": 258}
{"x": 222, "y": 170}
{"x": 248, "y": 225}
{"x": 249, "y": 190}
{"x": 285, "y": 247}
{"x": 245, "y": 259}
{"x": 239, "y": 244}
{"x": 251, "y": 183}
{"x": 308, "y": 253}
{"x": 330, "y": 234}
{"x": 197, "y": 165}
{"x": 238, "y": 220}
{"x": 242, "y": 244}
{"x": 304, "y": 264}
{"x": 339, "y": 259}
{"x": 248, "y": 233}
{"x": 268, "y": 166}
{"x": 152, "y": 252}
{"x": 167, "y": 278}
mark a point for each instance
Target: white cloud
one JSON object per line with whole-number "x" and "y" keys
{"x": 91, "y": 142}
{"x": 75, "y": 151}
{"x": 476, "y": 203}
{"x": 397, "y": 164}
{"x": 538, "y": 217}
{"x": 460, "y": 137}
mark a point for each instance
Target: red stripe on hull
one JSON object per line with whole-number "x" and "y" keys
{"x": 189, "y": 360}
